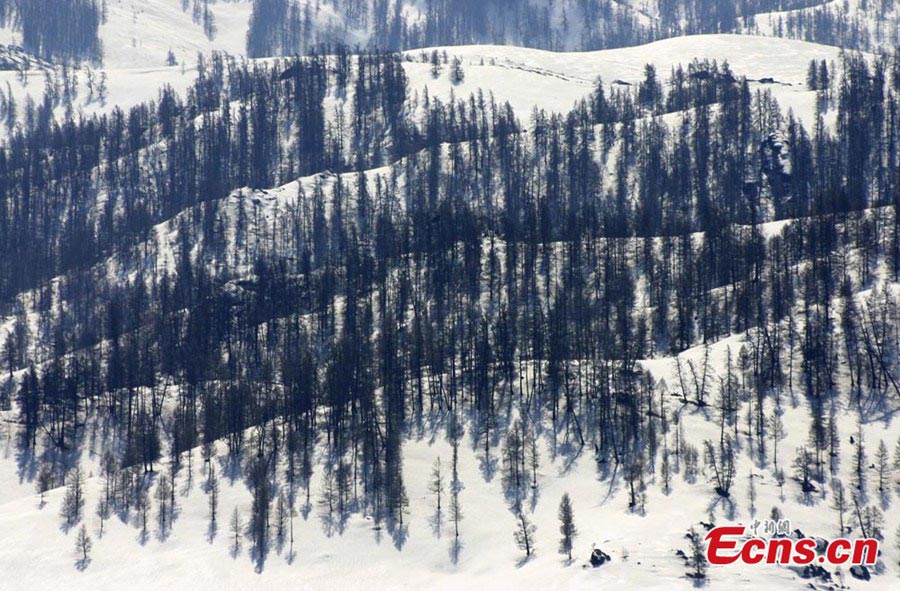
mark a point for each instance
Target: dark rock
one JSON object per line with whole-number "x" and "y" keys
{"x": 599, "y": 557}
{"x": 813, "y": 571}
{"x": 861, "y": 572}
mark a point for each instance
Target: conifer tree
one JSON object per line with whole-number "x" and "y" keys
{"x": 567, "y": 527}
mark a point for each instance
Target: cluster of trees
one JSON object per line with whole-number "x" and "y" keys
{"x": 873, "y": 24}
{"x": 201, "y": 15}
{"x": 286, "y": 27}
{"x": 64, "y": 30}
{"x": 442, "y": 263}
{"x": 67, "y": 30}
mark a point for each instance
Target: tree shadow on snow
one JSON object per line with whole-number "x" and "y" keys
{"x": 306, "y": 507}
{"x": 26, "y": 464}
{"x": 332, "y": 522}
{"x": 487, "y": 465}
{"x": 259, "y": 555}
{"x": 728, "y": 506}
{"x": 399, "y": 534}
{"x": 66, "y": 526}
{"x": 604, "y": 473}
{"x": 524, "y": 560}
{"x": 436, "y": 522}
{"x": 455, "y": 549}
{"x": 162, "y": 533}
{"x": 698, "y": 582}
{"x": 535, "y": 493}
{"x": 230, "y": 467}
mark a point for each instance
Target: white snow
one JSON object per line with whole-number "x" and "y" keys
{"x": 34, "y": 550}
{"x": 554, "y": 81}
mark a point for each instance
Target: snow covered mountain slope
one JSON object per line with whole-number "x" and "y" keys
{"x": 526, "y": 78}
{"x": 357, "y": 555}
{"x": 181, "y": 255}
{"x": 854, "y": 23}
{"x": 554, "y": 81}
{"x": 140, "y": 33}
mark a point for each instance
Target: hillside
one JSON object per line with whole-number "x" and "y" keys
{"x": 662, "y": 279}
{"x": 132, "y": 34}
{"x": 526, "y": 78}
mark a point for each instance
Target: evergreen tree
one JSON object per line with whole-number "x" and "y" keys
{"x": 73, "y": 501}
{"x": 212, "y": 489}
{"x": 44, "y": 481}
{"x": 456, "y": 514}
{"x": 236, "y": 527}
{"x": 566, "y": 526}
{"x": 882, "y": 468}
{"x": 83, "y": 544}
{"x": 436, "y": 484}
{"x": 457, "y": 74}
{"x": 697, "y": 556}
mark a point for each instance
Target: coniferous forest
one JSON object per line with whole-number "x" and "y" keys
{"x": 285, "y": 274}
{"x": 69, "y": 30}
